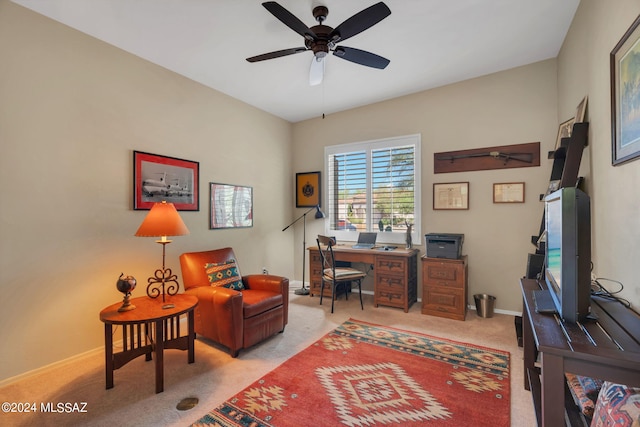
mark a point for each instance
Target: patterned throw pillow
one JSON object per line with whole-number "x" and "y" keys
{"x": 224, "y": 274}
{"x": 618, "y": 405}
{"x": 584, "y": 391}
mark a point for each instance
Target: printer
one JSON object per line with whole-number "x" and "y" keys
{"x": 444, "y": 245}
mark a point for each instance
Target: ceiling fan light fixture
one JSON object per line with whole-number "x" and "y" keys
{"x": 316, "y": 71}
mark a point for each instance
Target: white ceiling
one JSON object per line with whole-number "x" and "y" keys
{"x": 430, "y": 43}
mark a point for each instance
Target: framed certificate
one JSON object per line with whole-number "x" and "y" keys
{"x": 451, "y": 195}
{"x": 508, "y": 192}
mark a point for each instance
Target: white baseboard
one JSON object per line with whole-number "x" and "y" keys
{"x": 298, "y": 283}
{"x": 497, "y": 310}
{"x": 53, "y": 365}
{"x": 116, "y": 346}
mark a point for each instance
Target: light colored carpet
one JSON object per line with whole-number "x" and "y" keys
{"x": 215, "y": 375}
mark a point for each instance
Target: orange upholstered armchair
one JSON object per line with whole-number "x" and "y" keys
{"x": 236, "y": 319}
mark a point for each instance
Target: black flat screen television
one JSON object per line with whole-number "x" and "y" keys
{"x": 568, "y": 252}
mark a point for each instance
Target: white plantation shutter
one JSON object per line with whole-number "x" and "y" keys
{"x": 393, "y": 183}
{"x": 374, "y": 186}
{"x": 347, "y": 179}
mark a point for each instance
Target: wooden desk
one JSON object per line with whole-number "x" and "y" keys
{"x": 395, "y": 273}
{"x": 148, "y": 329}
{"x": 574, "y": 352}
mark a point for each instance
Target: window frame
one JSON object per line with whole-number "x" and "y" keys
{"x": 395, "y": 238}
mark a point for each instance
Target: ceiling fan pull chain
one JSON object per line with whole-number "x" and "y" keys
{"x": 322, "y": 99}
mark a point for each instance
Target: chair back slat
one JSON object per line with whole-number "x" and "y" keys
{"x": 326, "y": 253}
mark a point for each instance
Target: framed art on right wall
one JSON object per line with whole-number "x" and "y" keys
{"x": 625, "y": 92}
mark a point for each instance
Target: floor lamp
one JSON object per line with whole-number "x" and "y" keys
{"x": 303, "y": 217}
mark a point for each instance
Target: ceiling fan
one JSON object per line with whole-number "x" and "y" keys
{"x": 321, "y": 39}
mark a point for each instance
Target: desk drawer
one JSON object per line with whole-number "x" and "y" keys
{"x": 444, "y": 302}
{"x": 390, "y": 282}
{"x": 390, "y": 297}
{"x": 316, "y": 270}
{"x": 316, "y": 285}
{"x": 390, "y": 290}
{"x": 396, "y": 265}
{"x": 444, "y": 275}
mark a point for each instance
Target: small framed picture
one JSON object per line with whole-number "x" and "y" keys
{"x": 625, "y": 74}
{"x": 231, "y": 206}
{"x": 157, "y": 178}
{"x": 308, "y": 188}
{"x": 508, "y": 192}
{"x": 451, "y": 195}
{"x": 581, "y": 111}
{"x": 564, "y": 131}
{"x": 553, "y": 186}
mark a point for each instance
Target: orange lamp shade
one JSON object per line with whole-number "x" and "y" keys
{"x": 162, "y": 220}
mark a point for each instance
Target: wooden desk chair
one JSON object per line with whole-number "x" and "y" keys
{"x": 336, "y": 275}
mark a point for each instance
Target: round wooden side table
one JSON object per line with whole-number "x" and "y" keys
{"x": 148, "y": 330}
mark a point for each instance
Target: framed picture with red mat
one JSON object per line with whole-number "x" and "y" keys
{"x": 159, "y": 178}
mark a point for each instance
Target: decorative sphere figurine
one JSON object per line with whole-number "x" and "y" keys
{"x": 126, "y": 284}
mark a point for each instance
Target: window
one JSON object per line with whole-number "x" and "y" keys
{"x": 374, "y": 186}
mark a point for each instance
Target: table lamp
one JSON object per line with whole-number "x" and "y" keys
{"x": 162, "y": 220}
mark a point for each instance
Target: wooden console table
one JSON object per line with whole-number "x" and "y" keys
{"x": 608, "y": 348}
{"x": 148, "y": 329}
{"x": 395, "y": 273}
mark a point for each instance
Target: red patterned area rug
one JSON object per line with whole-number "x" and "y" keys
{"x": 363, "y": 374}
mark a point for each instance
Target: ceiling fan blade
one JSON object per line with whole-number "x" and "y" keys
{"x": 360, "y": 21}
{"x": 276, "y": 54}
{"x": 289, "y": 19}
{"x": 361, "y": 57}
{"x": 316, "y": 71}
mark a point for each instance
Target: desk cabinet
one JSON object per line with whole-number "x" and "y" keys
{"x": 315, "y": 274}
{"x": 396, "y": 281}
{"x": 444, "y": 287}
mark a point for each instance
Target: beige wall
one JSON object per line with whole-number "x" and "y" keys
{"x": 72, "y": 110}
{"x": 583, "y": 69}
{"x": 511, "y": 107}
{"x": 515, "y": 106}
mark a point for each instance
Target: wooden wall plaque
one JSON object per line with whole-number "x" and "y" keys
{"x": 478, "y": 159}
